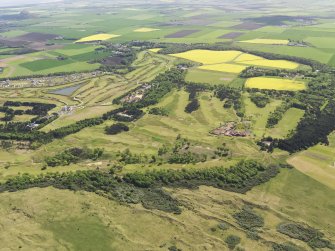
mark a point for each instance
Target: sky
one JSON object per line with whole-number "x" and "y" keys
{"x": 4, "y": 3}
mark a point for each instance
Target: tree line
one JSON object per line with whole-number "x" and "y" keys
{"x": 146, "y": 187}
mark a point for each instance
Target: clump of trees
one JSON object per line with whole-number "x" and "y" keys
{"x": 116, "y": 128}
{"x": 222, "y": 151}
{"x": 158, "y": 111}
{"x": 277, "y": 114}
{"x": 259, "y": 99}
{"x": 194, "y": 103}
{"x": 192, "y": 106}
{"x": 314, "y": 128}
{"x": 180, "y": 153}
{"x": 232, "y": 97}
{"x": 239, "y": 178}
{"x": 186, "y": 158}
{"x": 39, "y": 109}
{"x": 73, "y": 155}
{"x": 127, "y": 157}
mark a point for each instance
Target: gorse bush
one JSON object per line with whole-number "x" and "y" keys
{"x": 232, "y": 241}
{"x": 248, "y": 219}
{"x": 116, "y": 128}
{"x": 311, "y": 236}
{"x": 73, "y": 155}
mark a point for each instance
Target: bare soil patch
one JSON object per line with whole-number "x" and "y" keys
{"x": 180, "y": 34}
{"x": 36, "y": 37}
{"x": 231, "y": 35}
{"x": 248, "y": 26}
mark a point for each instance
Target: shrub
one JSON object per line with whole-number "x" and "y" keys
{"x": 312, "y": 236}
{"x": 260, "y": 100}
{"x": 232, "y": 241}
{"x": 192, "y": 106}
{"x": 116, "y": 128}
{"x": 285, "y": 247}
{"x": 248, "y": 219}
{"x": 158, "y": 111}
{"x": 73, "y": 155}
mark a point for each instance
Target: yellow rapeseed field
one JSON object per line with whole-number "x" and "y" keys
{"x": 97, "y": 37}
{"x": 155, "y": 50}
{"x": 247, "y": 57}
{"x": 208, "y": 56}
{"x": 283, "y": 64}
{"x": 232, "y": 61}
{"x": 145, "y": 30}
{"x": 266, "y": 41}
{"x": 275, "y": 84}
{"x": 231, "y": 68}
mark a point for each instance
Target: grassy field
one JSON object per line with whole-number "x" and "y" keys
{"x": 318, "y": 163}
{"x": 84, "y": 220}
{"x": 266, "y": 41}
{"x": 210, "y": 77}
{"x": 275, "y": 84}
{"x": 259, "y": 116}
{"x": 288, "y": 123}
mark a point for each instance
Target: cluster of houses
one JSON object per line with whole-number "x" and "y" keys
{"x": 125, "y": 115}
{"x": 229, "y": 129}
{"x": 137, "y": 95}
{"x": 48, "y": 80}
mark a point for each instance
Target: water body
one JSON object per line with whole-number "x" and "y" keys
{"x": 67, "y": 91}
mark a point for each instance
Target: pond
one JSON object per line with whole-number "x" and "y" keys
{"x": 67, "y": 91}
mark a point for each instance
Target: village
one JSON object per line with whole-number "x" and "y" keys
{"x": 48, "y": 81}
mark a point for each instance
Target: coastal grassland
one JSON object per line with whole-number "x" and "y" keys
{"x": 77, "y": 220}
{"x": 275, "y": 84}
{"x": 299, "y": 196}
{"x": 85, "y": 220}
